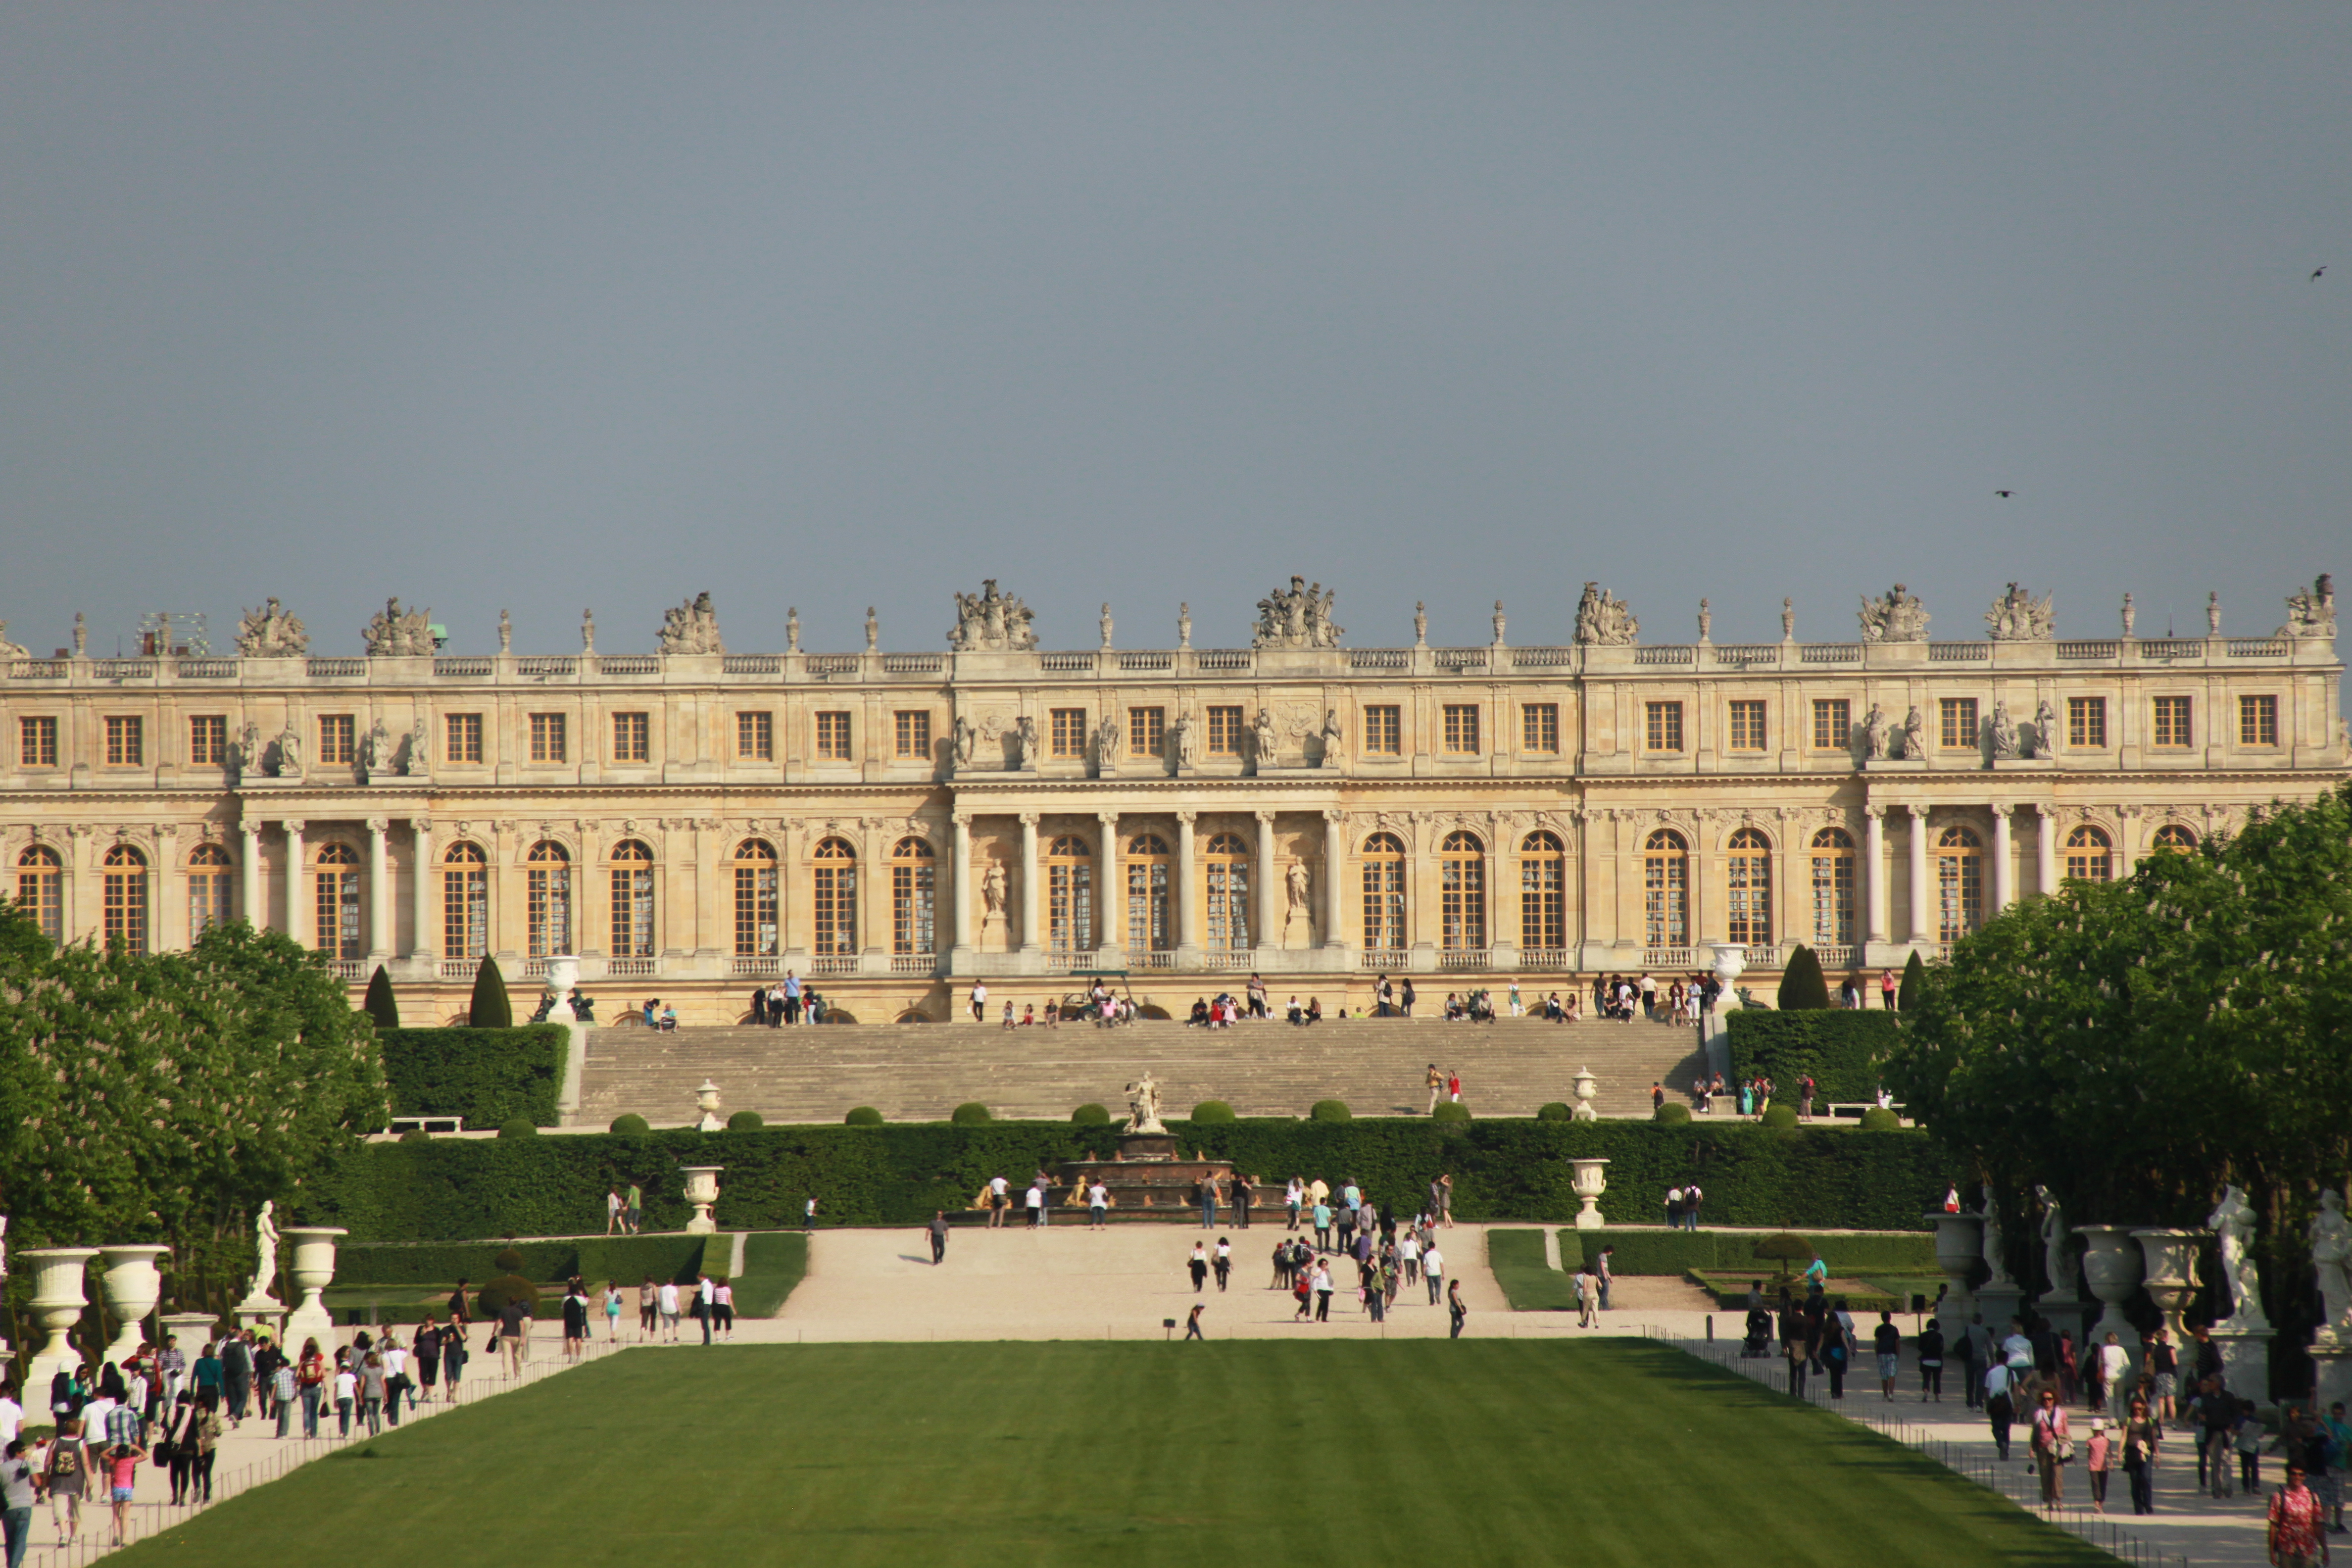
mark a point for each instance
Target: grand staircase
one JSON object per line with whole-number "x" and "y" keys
{"x": 919, "y": 1072}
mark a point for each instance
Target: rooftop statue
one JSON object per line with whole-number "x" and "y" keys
{"x": 2018, "y": 617}
{"x": 1298, "y": 617}
{"x": 692, "y": 627}
{"x": 990, "y": 622}
{"x": 1898, "y": 617}
{"x": 2313, "y": 613}
{"x": 270, "y": 633}
{"x": 394, "y": 633}
{"x": 15, "y": 650}
{"x": 1603, "y": 620}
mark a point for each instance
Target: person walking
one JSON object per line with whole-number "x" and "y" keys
{"x": 1193, "y": 1323}
{"x": 175, "y": 1445}
{"x": 310, "y": 1377}
{"x": 2054, "y": 1447}
{"x": 613, "y": 1304}
{"x": 2295, "y": 1530}
{"x": 396, "y": 1382}
{"x": 1931, "y": 1362}
{"x": 1456, "y": 1308}
{"x": 122, "y": 1463}
{"x": 1587, "y": 1294}
{"x": 1293, "y": 1192}
{"x": 667, "y": 1298}
{"x": 575, "y": 1323}
{"x": 1999, "y": 1410}
{"x": 1433, "y": 1272}
{"x": 2098, "y": 1455}
{"x": 67, "y": 1476}
{"x": 1034, "y": 1199}
{"x": 1097, "y": 1205}
{"x": 347, "y": 1391}
{"x": 1886, "y": 1340}
{"x": 1436, "y": 1080}
{"x": 614, "y": 1210}
{"x": 20, "y": 1488}
{"x": 454, "y": 1357}
{"x": 1208, "y": 1190}
{"x": 1322, "y": 1226}
{"x": 236, "y": 1375}
{"x": 2141, "y": 1440}
{"x": 938, "y": 1229}
{"x": 1223, "y": 1263}
{"x": 1322, "y": 1287}
{"x": 1245, "y": 1194}
{"x": 1197, "y": 1263}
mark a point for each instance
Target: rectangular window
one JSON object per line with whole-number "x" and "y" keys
{"x": 1384, "y": 729}
{"x": 1225, "y": 731}
{"x": 126, "y": 742}
{"x": 1832, "y": 723}
{"x": 1746, "y": 726}
{"x": 2258, "y": 720}
{"x": 463, "y": 735}
{"x": 833, "y": 737}
{"x": 2172, "y": 717}
{"x": 1069, "y": 738}
{"x": 208, "y": 738}
{"x": 338, "y": 738}
{"x": 914, "y": 904}
{"x": 755, "y": 737}
{"x": 1958, "y": 716}
{"x": 632, "y": 736}
{"x": 1539, "y": 728}
{"x": 1147, "y": 731}
{"x": 1462, "y": 728}
{"x": 2086, "y": 722}
{"x": 36, "y": 741}
{"x": 914, "y": 735}
{"x": 1663, "y": 726}
{"x": 547, "y": 738}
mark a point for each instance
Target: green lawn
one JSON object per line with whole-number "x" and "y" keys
{"x": 1529, "y": 1284}
{"x": 1417, "y": 1451}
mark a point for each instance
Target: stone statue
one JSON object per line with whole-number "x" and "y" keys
{"x": 1705, "y": 622}
{"x": 1300, "y": 889}
{"x": 1994, "y": 1251}
{"x": 2045, "y": 730}
{"x": 1262, "y": 739}
{"x": 990, "y": 622}
{"x": 1420, "y": 624}
{"x": 1179, "y": 737}
{"x": 1605, "y": 621}
{"x": 1106, "y": 742}
{"x": 2214, "y": 614}
{"x": 966, "y": 739}
{"x": 1498, "y": 623}
{"x": 692, "y": 627}
{"x": 1873, "y": 731}
{"x": 873, "y": 630}
{"x": 991, "y": 887}
{"x": 394, "y": 633}
{"x": 1333, "y": 743}
{"x": 12, "y": 649}
{"x": 248, "y": 750}
{"x": 2130, "y": 614}
{"x": 1299, "y": 617}
{"x": 1143, "y": 1107}
{"x": 81, "y": 636}
{"x": 375, "y": 750}
{"x": 419, "y": 760}
{"x": 289, "y": 753}
{"x": 505, "y": 632}
{"x": 1185, "y": 625}
{"x": 2331, "y": 1259}
{"x": 587, "y": 631}
{"x": 1898, "y": 617}
{"x": 1024, "y": 742}
{"x": 2312, "y": 614}
{"x": 269, "y": 633}
{"x": 792, "y": 629}
{"x": 2232, "y": 1224}
{"x": 1787, "y": 618}
{"x": 1911, "y": 741}
{"x": 2004, "y": 730}
{"x": 1106, "y": 629}
{"x": 264, "y": 1240}
{"x": 2057, "y": 1261}
{"x": 2018, "y": 617}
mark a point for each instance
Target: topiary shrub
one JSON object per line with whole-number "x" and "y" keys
{"x": 745, "y": 1121}
{"x": 1330, "y": 1111}
{"x": 864, "y": 1116}
{"x": 1780, "y": 1116}
{"x": 970, "y": 1113}
{"x": 1090, "y": 1116}
{"x": 1783, "y": 1248}
{"x": 1673, "y": 1114}
{"x": 1556, "y": 1111}
{"x": 1450, "y": 1110}
{"x": 379, "y": 1005}
{"x": 1803, "y": 985}
{"x": 1878, "y": 1119}
{"x": 490, "y": 1009}
{"x": 416, "y": 1135}
{"x": 1212, "y": 1111}
{"x": 509, "y": 1260}
{"x": 518, "y": 1127}
{"x": 629, "y": 1124}
{"x": 507, "y": 1287}
{"x": 1915, "y": 975}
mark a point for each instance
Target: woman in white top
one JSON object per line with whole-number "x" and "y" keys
{"x": 396, "y": 1380}
{"x": 1098, "y": 1205}
{"x": 1291, "y": 1197}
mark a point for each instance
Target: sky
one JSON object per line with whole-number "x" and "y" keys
{"x": 545, "y": 307}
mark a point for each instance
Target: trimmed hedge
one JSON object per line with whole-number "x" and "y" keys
{"x": 1841, "y": 1049}
{"x": 490, "y": 1007}
{"x": 1333, "y": 1111}
{"x": 453, "y": 1188}
{"x": 627, "y": 1258}
{"x": 746, "y": 1122}
{"x": 862, "y": 1116}
{"x": 1803, "y": 986}
{"x": 629, "y": 1124}
{"x": 1554, "y": 1111}
{"x": 970, "y": 1113}
{"x": 1091, "y": 1116}
{"x": 1672, "y": 1113}
{"x": 488, "y": 1075}
{"x": 1450, "y": 1110}
{"x": 1212, "y": 1111}
{"x": 1679, "y": 1252}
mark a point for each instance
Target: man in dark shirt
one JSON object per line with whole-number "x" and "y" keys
{"x": 1888, "y": 1341}
{"x": 514, "y": 1321}
{"x": 938, "y": 1229}
{"x": 457, "y": 1313}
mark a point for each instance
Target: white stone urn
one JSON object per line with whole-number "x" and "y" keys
{"x": 707, "y": 1097}
{"x": 562, "y": 975}
{"x": 1590, "y": 1183}
{"x": 58, "y": 1300}
{"x": 1730, "y": 963}
{"x": 2111, "y": 1267}
{"x": 2171, "y": 1281}
{"x": 703, "y": 1192}
{"x": 132, "y": 1284}
{"x": 1587, "y": 1086}
{"x": 313, "y": 1271}
{"x": 1959, "y": 1244}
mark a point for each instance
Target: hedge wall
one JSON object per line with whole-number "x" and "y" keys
{"x": 487, "y": 1075}
{"x": 448, "y": 1189}
{"x": 1840, "y": 1049}
{"x": 628, "y": 1258}
{"x": 1726, "y": 1252}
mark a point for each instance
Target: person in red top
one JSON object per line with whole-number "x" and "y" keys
{"x": 311, "y": 1374}
{"x": 2298, "y": 1535}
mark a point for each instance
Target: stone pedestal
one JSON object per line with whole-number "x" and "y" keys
{"x": 2065, "y": 1313}
{"x": 313, "y": 1271}
{"x": 1730, "y": 962}
{"x": 132, "y": 1283}
{"x": 2111, "y": 1267}
{"x": 1999, "y": 1301}
{"x": 2246, "y": 1360}
{"x": 2331, "y": 1361}
{"x": 1590, "y": 1183}
{"x": 703, "y": 1192}
{"x": 58, "y": 1301}
{"x": 1959, "y": 1240}
{"x": 195, "y": 1330}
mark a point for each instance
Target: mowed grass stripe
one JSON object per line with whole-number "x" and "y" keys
{"x": 1428, "y": 1452}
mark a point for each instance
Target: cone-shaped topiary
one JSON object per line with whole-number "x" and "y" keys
{"x": 379, "y": 1005}
{"x": 1212, "y": 1111}
{"x": 489, "y": 1008}
{"x": 745, "y": 1121}
{"x": 863, "y": 1116}
{"x": 1331, "y": 1110}
{"x": 1803, "y": 984}
{"x": 629, "y": 1124}
{"x": 1915, "y": 975}
{"x": 1090, "y": 1116}
{"x": 970, "y": 1113}
{"x": 1672, "y": 1114}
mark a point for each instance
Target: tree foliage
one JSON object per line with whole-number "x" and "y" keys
{"x": 490, "y": 1007}
{"x": 380, "y": 1004}
{"x": 1914, "y": 976}
{"x": 1803, "y": 984}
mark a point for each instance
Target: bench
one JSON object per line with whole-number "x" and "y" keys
{"x": 428, "y": 1123}
{"x": 1854, "y": 1107}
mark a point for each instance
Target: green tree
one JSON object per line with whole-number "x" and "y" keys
{"x": 1914, "y": 976}
{"x": 490, "y": 1009}
{"x": 1803, "y": 984}
{"x": 380, "y": 1004}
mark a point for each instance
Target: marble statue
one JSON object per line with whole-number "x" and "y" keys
{"x": 1911, "y": 741}
{"x": 2018, "y": 617}
{"x": 1705, "y": 622}
{"x": 1024, "y": 742}
{"x": 289, "y": 753}
{"x": 873, "y": 630}
{"x": 270, "y": 633}
{"x": 505, "y": 632}
{"x": 1787, "y": 618}
{"x": 1300, "y": 887}
{"x": 82, "y": 636}
{"x": 1299, "y": 616}
{"x": 12, "y": 649}
{"x": 1333, "y": 740}
{"x": 2312, "y": 614}
{"x": 1498, "y": 623}
{"x": 2331, "y": 1259}
{"x": 692, "y": 627}
{"x": 265, "y": 1238}
{"x": 375, "y": 750}
{"x": 248, "y": 750}
{"x": 587, "y": 631}
{"x": 419, "y": 760}
{"x": 1181, "y": 743}
{"x": 1420, "y": 624}
{"x": 991, "y": 887}
{"x": 2004, "y": 731}
{"x": 1898, "y": 617}
{"x": 990, "y": 622}
{"x": 1603, "y": 620}
{"x": 1143, "y": 1107}
{"x": 2130, "y": 614}
{"x": 2214, "y": 614}
{"x": 1995, "y": 1252}
{"x": 394, "y": 633}
{"x": 792, "y": 629}
{"x": 1106, "y": 742}
{"x": 1873, "y": 731}
{"x": 2045, "y": 730}
{"x": 1106, "y": 623}
{"x": 966, "y": 740}
{"x": 2057, "y": 1260}
{"x": 2233, "y": 1225}
{"x": 1262, "y": 739}
{"x": 1185, "y": 625}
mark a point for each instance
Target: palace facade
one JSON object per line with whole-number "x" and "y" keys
{"x": 894, "y": 823}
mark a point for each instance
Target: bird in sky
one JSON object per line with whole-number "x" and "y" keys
{"x": 2318, "y": 272}
{"x": 2004, "y": 494}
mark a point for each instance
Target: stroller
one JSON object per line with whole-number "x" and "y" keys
{"x": 1759, "y": 1339}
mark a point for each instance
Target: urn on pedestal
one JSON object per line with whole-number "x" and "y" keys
{"x": 58, "y": 1301}
{"x": 312, "y": 1271}
{"x": 703, "y": 1192}
{"x": 1587, "y": 1086}
{"x": 1590, "y": 1182}
{"x": 2171, "y": 1279}
{"x": 707, "y": 1100}
{"x": 1960, "y": 1242}
{"x": 132, "y": 1283}
{"x": 2111, "y": 1267}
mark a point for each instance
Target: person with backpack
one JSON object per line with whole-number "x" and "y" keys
{"x": 65, "y": 1476}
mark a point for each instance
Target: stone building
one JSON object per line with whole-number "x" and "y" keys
{"x": 892, "y": 824}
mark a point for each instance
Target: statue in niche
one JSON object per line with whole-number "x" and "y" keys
{"x": 2045, "y": 730}
{"x": 1299, "y": 616}
{"x": 2312, "y": 614}
{"x": 1873, "y": 731}
{"x": 1898, "y": 617}
{"x": 1911, "y": 741}
{"x": 289, "y": 753}
{"x": 1024, "y": 742}
{"x": 1603, "y": 620}
{"x": 692, "y": 627}
{"x": 375, "y": 750}
{"x": 2002, "y": 730}
{"x": 419, "y": 760}
{"x": 1262, "y": 739}
{"x": 1300, "y": 887}
{"x": 2233, "y": 1225}
{"x": 991, "y": 888}
{"x": 990, "y": 622}
{"x": 1332, "y": 739}
{"x": 2018, "y": 617}
{"x": 966, "y": 740}
{"x": 269, "y": 633}
{"x": 394, "y": 633}
{"x": 248, "y": 750}
{"x": 1106, "y": 743}
{"x": 1181, "y": 741}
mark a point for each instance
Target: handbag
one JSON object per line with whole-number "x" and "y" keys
{"x": 2064, "y": 1450}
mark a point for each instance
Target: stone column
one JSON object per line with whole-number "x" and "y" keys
{"x": 298, "y": 917}
{"x": 1918, "y": 931}
{"x": 1031, "y": 904}
{"x": 2045, "y": 850}
{"x": 379, "y": 887}
{"x": 251, "y": 893}
{"x": 1180, "y": 874}
{"x": 959, "y": 890}
{"x": 1335, "y": 860}
{"x": 1110, "y": 894}
{"x": 2004, "y": 870}
{"x": 1269, "y": 931}
{"x": 1874, "y": 871}
{"x": 422, "y": 940}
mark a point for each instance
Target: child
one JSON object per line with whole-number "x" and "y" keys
{"x": 122, "y": 1467}
{"x": 2097, "y": 1453}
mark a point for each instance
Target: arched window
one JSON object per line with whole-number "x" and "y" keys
{"x": 1384, "y": 893}
{"x": 548, "y": 901}
{"x": 2088, "y": 856}
{"x": 1665, "y": 890}
{"x": 914, "y": 897}
{"x": 757, "y": 931}
{"x": 1069, "y": 894}
{"x": 125, "y": 911}
{"x": 1462, "y": 892}
{"x": 631, "y": 880}
{"x": 465, "y": 901}
{"x": 1959, "y": 883}
{"x": 1147, "y": 894}
{"x": 41, "y": 890}
{"x": 208, "y": 889}
{"x": 1832, "y": 864}
{"x": 336, "y": 901}
{"x": 1749, "y": 883}
{"x": 2173, "y": 835}
{"x": 1229, "y": 890}
{"x": 1543, "y": 896}
{"x": 835, "y": 897}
